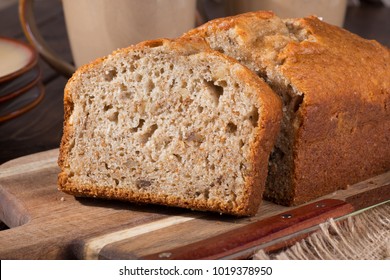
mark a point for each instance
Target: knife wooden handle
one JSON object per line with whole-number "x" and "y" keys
{"x": 259, "y": 232}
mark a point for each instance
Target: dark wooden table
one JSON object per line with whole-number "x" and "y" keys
{"x": 40, "y": 129}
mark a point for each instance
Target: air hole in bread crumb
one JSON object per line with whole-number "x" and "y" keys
{"x": 206, "y": 193}
{"x": 139, "y": 126}
{"x": 150, "y": 86}
{"x": 148, "y": 134}
{"x": 123, "y": 87}
{"x": 90, "y": 100}
{"x": 222, "y": 83}
{"x": 178, "y": 157}
{"x": 200, "y": 109}
{"x": 172, "y": 83}
{"x": 241, "y": 143}
{"x": 141, "y": 183}
{"x": 221, "y": 50}
{"x": 110, "y": 75}
{"x": 231, "y": 127}
{"x": 113, "y": 117}
{"x": 116, "y": 182}
{"x": 254, "y": 116}
{"x": 216, "y": 91}
{"x": 131, "y": 68}
{"x": 107, "y": 107}
{"x": 138, "y": 77}
{"x": 122, "y": 68}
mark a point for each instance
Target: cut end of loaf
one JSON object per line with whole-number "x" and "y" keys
{"x": 169, "y": 125}
{"x": 259, "y": 40}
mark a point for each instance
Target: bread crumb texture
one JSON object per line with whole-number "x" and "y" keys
{"x": 169, "y": 122}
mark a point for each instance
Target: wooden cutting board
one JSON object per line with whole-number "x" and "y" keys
{"x": 48, "y": 224}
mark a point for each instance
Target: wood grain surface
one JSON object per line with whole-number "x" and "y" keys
{"x": 48, "y": 224}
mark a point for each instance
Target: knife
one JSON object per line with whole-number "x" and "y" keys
{"x": 286, "y": 241}
{"x": 278, "y": 231}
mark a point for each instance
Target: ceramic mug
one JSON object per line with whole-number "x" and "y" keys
{"x": 331, "y": 11}
{"x": 97, "y": 27}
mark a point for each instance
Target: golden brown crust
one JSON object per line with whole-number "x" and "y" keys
{"x": 255, "y": 183}
{"x": 227, "y": 23}
{"x": 345, "y": 118}
{"x": 110, "y": 192}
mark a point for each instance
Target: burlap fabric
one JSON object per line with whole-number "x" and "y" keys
{"x": 364, "y": 236}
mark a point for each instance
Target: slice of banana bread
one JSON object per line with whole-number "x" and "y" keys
{"x": 335, "y": 88}
{"x": 169, "y": 122}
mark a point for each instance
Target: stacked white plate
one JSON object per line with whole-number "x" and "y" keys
{"x": 21, "y": 88}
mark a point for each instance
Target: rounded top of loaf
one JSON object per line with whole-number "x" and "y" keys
{"x": 314, "y": 56}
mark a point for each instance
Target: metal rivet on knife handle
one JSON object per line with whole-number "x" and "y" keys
{"x": 286, "y": 216}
